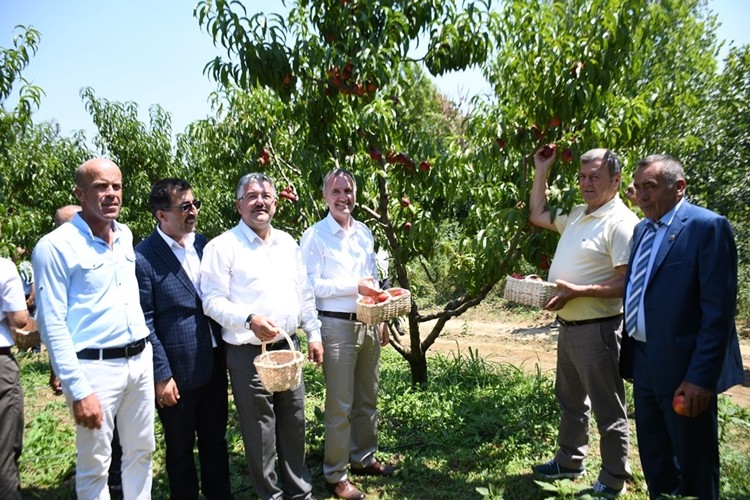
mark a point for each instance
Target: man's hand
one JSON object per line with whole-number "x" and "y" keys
{"x": 88, "y": 412}
{"x": 383, "y": 334}
{"x": 697, "y": 398}
{"x": 565, "y": 292}
{"x": 166, "y": 393}
{"x": 264, "y": 328}
{"x": 315, "y": 352}
{"x": 55, "y": 383}
{"x": 368, "y": 287}
{"x": 544, "y": 157}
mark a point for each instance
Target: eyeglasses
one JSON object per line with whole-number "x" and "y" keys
{"x": 185, "y": 207}
{"x": 267, "y": 198}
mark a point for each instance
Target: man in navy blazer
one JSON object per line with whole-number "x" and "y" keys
{"x": 681, "y": 337}
{"x": 189, "y": 371}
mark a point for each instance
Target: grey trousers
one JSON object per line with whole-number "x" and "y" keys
{"x": 588, "y": 378}
{"x": 273, "y": 427}
{"x": 351, "y": 368}
{"x": 11, "y": 427}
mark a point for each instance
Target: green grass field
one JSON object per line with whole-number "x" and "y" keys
{"x": 475, "y": 432}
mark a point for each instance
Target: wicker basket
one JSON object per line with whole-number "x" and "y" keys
{"x": 392, "y": 308}
{"x": 280, "y": 370}
{"x": 531, "y": 290}
{"x": 28, "y": 337}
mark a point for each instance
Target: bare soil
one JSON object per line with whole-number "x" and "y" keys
{"x": 531, "y": 344}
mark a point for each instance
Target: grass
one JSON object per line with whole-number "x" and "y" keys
{"x": 475, "y": 432}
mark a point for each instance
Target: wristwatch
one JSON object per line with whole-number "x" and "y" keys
{"x": 249, "y": 322}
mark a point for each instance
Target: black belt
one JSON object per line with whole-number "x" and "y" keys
{"x": 339, "y": 315}
{"x": 5, "y": 351}
{"x": 582, "y": 322}
{"x": 128, "y": 351}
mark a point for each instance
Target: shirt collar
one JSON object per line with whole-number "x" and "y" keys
{"x": 668, "y": 217}
{"x": 602, "y": 211}
{"x": 79, "y": 223}
{"x": 253, "y": 236}
{"x": 189, "y": 240}
{"x": 334, "y": 227}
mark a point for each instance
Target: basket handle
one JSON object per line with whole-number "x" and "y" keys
{"x": 286, "y": 336}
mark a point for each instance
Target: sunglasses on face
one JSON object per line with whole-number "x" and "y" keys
{"x": 185, "y": 207}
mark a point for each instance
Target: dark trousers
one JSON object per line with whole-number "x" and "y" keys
{"x": 273, "y": 427}
{"x": 203, "y": 413}
{"x": 11, "y": 428}
{"x": 680, "y": 455}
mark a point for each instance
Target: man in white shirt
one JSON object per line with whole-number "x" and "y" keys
{"x": 341, "y": 262}
{"x": 254, "y": 284}
{"x": 13, "y": 314}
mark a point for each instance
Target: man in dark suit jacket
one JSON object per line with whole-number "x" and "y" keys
{"x": 681, "y": 337}
{"x": 189, "y": 371}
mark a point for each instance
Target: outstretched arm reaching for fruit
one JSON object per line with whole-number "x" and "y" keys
{"x": 540, "y": 214}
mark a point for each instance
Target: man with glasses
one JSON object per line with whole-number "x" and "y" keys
{"x": 589, "y": 269}
{"x": 189, "y": 372}
{"x": 91, "y": 321}
{"x": 255, "y": 285}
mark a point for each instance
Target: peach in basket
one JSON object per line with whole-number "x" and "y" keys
{"x": 387, "y": 305}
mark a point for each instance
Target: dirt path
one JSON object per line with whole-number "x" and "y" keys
{"x": 533, "y": 343}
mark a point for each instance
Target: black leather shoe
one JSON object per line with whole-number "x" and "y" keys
{"x": 344, "y": 489}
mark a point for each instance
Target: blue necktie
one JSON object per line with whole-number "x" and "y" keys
{"x": 638, "y": 278}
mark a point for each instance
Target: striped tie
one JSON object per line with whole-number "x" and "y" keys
{"x": 638, "y": 278}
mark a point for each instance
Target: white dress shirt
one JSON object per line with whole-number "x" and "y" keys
{"x": 241, "y": 275}
{"x": 336, "y": 260}
{"x": 187, "y": 255}
{"x": 11, "y": 298}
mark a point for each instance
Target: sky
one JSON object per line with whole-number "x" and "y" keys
{"x": 153, "y": 52}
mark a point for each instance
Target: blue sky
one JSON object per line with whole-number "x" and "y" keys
{"x": 153, "y": 52}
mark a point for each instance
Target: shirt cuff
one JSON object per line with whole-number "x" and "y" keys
{"x": 314, "y": 336}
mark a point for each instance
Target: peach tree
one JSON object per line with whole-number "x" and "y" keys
{"x": 33, "y": 156}
{"x": 340, "y": 83}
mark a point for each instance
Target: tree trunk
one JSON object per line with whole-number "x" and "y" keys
{"x": 418, "y": 364}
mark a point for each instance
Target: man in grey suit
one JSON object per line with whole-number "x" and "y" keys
{"x": 189, "y": 372}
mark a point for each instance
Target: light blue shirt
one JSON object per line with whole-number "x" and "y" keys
{"x": 87, "y": 296}
{"x": 662, "y": 228}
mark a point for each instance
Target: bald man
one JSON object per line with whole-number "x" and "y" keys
{"x": 66, "y": 214}
{"x": 95, "y": 331}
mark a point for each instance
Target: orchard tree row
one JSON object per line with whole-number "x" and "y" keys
{"x": 335, "y": 83}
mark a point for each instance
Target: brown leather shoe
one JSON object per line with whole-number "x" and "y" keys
{"x": 344, "y": 489}
{"x": 376, "y": 469}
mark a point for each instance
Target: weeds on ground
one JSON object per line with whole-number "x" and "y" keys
{"x": 474, "y": 432}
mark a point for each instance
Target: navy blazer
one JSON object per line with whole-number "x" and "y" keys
{"x": 180, "y": 331}
{"x": 689, "y": 305}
